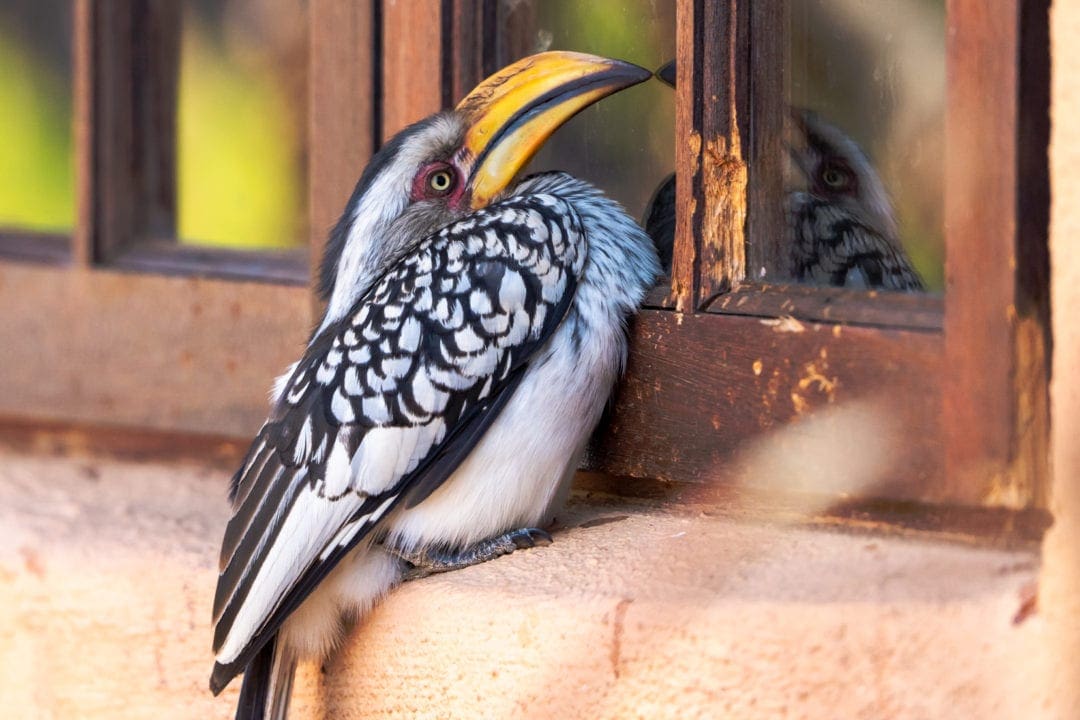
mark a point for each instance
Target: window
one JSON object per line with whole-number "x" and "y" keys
{"x": 947, "y": 387}
{"x": 151, "y": 315}
{"x": 945, "y": 390}
{"x": 37, "y": 197}
{"x": 956, "y": 387}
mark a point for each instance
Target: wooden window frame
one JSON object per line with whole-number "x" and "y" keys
{"x": 717, "y": 360}
{"x": 967, "y": 377}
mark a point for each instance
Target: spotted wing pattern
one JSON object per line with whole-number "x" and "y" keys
{"x": 387, "y": 401}
{"x": 832, "y": 247}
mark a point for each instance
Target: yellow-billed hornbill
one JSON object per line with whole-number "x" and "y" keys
{"x": 474, "y": 329}
{"x": 841, "y": 227}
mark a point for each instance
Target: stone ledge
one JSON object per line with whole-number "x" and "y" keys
{"x": 107, "y": 573}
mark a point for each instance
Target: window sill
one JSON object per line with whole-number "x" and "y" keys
{"x": 631, "y": 613}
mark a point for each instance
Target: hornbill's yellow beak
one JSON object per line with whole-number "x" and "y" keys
{"x": 512, "y": 113}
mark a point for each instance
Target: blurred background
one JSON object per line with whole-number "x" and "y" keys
{"x": 241, "y": 115}
{"x": 37, "y": 190}
{"x": 241, "y": 124}
{"x": 875, "y": 69}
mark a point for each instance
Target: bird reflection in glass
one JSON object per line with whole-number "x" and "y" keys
{"x": 841, "y": 227}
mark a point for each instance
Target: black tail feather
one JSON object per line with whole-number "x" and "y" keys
{"x": 267, "y": 685}
{"x": 253, "y": 692}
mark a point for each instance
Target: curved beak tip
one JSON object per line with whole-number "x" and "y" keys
{"x": 666, "y": 73}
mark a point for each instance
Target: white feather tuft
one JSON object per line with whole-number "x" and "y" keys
{"x": 281, "y": 384}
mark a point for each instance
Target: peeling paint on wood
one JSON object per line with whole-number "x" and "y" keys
{"x": 723, "y": 225}
{"x": 785, "y": 324}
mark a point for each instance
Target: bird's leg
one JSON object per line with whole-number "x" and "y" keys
{"x": 428, "y": 561}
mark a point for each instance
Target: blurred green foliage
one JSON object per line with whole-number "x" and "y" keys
{"x": 239, "y": 140}
{"x": 239, "y": 182}
{"x": 37, "y": 190}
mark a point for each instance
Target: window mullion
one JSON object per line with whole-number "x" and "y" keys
{"x": 712, "y": 127}
{"x": 127, "y": 68}
{"x": 341, "y": 111}
{"x": 412, "y": 62}
{"x": 765, "y": 248}
{"x": 687, "y": 155}
{"x": 994, "y": 406}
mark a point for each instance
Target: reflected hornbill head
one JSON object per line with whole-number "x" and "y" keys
{"x": 830, "y": 166}
{"x": 843, "y": 231}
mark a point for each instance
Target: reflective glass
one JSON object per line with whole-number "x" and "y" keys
{"x": 241, "y": 120}
{"x": 36, "y": 160}
{"x": 865, "y": 137}
{"x": 624, "y": 143}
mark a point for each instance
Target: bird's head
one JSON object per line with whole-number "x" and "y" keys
{"x": 452, "y": 163}
{"x": 827, "y": 164}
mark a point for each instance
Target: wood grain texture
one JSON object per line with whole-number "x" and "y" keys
{"x": 90, "y": 443}
{"x": 107, "y": 112}
{"x": 723, "y": 92}
{"x": 513, "y": 31}
{"x": 82, "y": 61}
{"x": 1033, "y": 250}
{"x": 468, "y": 46}
{"x": 155, "y": 65}
{"x": 181, "y": 354}
{"x": 412, "y": 62}
{"x": 50, "y": 248}
{"x": 916, "y": 311}
{"x": 995, "y": 337}
{"x": 684, "y": 259}
{"x": 766, "y": 248}
{"x": 165, "y": 257}
{"x": 712, "y": 121}
{"x": 722, "y": 399}
{"x": 341, "y": 109}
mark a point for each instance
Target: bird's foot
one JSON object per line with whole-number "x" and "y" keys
{"x": 428, "y": 561}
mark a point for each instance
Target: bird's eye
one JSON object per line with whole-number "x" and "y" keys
{"x": 435, "y": 180}
{"x": 441, "y": 182}
{"x": 836, "y": 178}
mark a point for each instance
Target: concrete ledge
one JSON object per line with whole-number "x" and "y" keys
{"x": 107, "y": 572}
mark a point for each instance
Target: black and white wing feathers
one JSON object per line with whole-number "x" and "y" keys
{"x": 386, "y": 404}
{"x": 830, "y": 246}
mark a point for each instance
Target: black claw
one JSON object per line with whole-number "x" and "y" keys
{"x": 530, "y": 537}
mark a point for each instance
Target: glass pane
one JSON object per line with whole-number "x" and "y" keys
{"x": 240, "y": 126}
{"x": 37, "y": 189}
{"x": 864, "y": 181}
{"x": 623, "y": 144}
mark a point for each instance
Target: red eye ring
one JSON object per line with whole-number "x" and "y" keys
{"x": 436, "y": 180}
